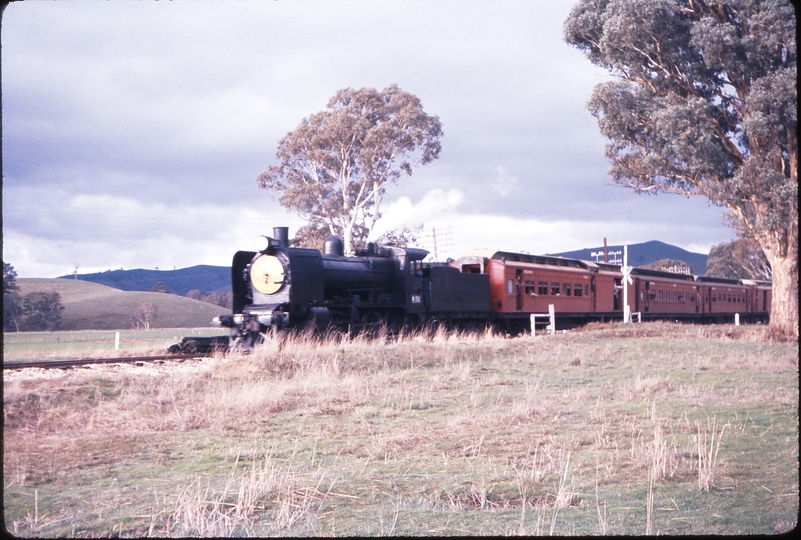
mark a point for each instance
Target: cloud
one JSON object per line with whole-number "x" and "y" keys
{"x": 503, "y": 183}
{"x": 403, "y": 213}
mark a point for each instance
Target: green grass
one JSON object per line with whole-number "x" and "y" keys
{"x": 90, "y": 306}
{"x": 35, "y": 346}
{"x": 553, "y": 434}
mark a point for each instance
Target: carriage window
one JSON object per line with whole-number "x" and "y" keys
{"x": 566, "y": 289}
{"x": 586, "y": 290}
{"x": 555, "y": 288}
{"x": 542, "y": 287}
{"x": 530, "y": 287}
{"x": 510, "y": 286}
{"x": 681, "y": 298}
{"x": 674, "y": 296}
{"x": 577, "y": 289}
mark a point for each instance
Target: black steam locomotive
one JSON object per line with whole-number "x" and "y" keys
{"x": 282, "y": 287}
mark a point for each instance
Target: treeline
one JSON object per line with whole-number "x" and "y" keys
{"x": 222, "y": 300}
{"x": 34, "y": 311}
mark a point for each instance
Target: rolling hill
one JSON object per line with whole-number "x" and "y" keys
{"x": 203, "y": 277}
{"x": 90, "y": 306}
{"x": 646, "y": 253}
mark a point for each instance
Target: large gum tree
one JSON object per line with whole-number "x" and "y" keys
{"x": 704, "y": 102}
{"x": 334, "y": 167}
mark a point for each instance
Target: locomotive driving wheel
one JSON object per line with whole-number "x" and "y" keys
{"x": 372, "y": 321}
{"x": 395, "y": 321}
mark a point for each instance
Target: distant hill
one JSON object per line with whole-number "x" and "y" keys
{"x": 90, "y": 306}
{"x": 646, "y": 253}
{"x": 205, "y": 278}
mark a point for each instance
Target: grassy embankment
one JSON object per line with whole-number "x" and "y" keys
{"x": 618, "y": 430}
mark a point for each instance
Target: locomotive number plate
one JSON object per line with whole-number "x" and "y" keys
{"x": 416, "y": 299}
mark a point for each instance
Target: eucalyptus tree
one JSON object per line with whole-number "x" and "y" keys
{"x": 739, "y": 259}
{"x": 334, "y": 167}
{"x": 703, "y": 102}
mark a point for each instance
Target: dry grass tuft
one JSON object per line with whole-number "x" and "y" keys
{"x": 708, "y": 456}
{"x": 235, "y": 509}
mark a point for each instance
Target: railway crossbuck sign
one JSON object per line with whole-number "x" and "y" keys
{"x": 626, "y": 269}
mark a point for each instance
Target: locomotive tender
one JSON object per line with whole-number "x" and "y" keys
{"x": 281, "y": 287}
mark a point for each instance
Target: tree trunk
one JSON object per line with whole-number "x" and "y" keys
{"x": 784, "y": 299}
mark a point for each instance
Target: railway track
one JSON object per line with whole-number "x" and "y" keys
{"x": 62, "y": 364}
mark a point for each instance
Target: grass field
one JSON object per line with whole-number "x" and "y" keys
{"x": 636, "y": 429}
{"x": 21, "y": 346}
{"x": 90, "y": 306}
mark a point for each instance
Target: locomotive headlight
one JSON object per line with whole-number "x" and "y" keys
{"x": 267, "y": 274}
{"x": 261, "y": 243}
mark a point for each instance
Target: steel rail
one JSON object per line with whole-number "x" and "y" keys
{"x": 52, "y": 364}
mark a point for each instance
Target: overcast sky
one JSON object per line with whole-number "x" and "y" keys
{"x": 133, "y": 132}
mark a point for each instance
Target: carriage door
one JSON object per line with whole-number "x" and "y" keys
{"x": 647, "y": 293}
{"x": 698, "y": 298}
{"x": 518, "y": 287}
{"x": 592, "y": 294}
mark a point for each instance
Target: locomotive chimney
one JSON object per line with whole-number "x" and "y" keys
{"x": 282, "y": 235}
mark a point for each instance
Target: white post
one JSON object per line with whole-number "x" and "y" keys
{"x": 552, "y": 317}
{"x": 625, "y": 281}
{"x": 117, "y": 342}
{"x": 533, "y": 324}
{"x": 737, "y": 319}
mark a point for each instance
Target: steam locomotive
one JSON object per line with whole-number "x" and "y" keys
{"x": 280, "y": 287}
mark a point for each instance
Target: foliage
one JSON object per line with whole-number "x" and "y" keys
{"x": 12, "y": 302}
{"x": 670, "y": 265}
{"x": 160, "y": 288}
{"x": 194, "y": 294}
{"x": 144, "y": 315}
{"x": 334, "y": 167}
{"x": 222, "y": 300}
{"x": 704, "y": 103}
{"x": 9, "y": 278}
{"x": 740, "y": 259}
{"x": 39, "y": 310}
{"x": 313, "y": 236}
{"x": 12, "y": 312}
{"x": 35, "y": 311}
